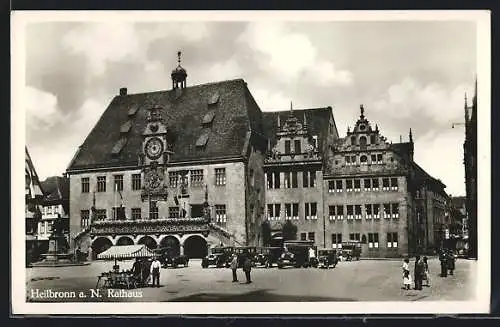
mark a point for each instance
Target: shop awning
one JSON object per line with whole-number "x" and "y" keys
{"x": 126, "y": 252}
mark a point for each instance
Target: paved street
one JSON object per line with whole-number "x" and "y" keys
{"x": 365, "y": 280}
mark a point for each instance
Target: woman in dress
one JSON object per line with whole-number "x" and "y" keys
{"x": 406, "y": 274}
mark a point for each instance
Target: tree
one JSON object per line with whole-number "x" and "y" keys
{"x": 266, "y": 232}
{"x": 289, "y": 231}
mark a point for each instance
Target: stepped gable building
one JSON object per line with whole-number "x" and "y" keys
{"x": 55, "y": 205}
{"x": 299, "y": 145}
{"x": 181, "y": 168}
{"x": 376, "y": 194}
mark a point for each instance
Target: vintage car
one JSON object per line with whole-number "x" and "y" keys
{"x": 267, "y": 256}
{"x": 219, "y": 257}
{"x": 327, "y": 258}
{"x": 351, "y": 250}
{"x": 298, "y": 254}
{"x": 169, "y": 258}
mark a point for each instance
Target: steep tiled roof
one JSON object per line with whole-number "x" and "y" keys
{"x": 125, "y": 119}
{"x": 317, "y": 122}
{"x": 422, "y": 175}
{"x": 56, "y": 190}
{"x": 458, "y": 201}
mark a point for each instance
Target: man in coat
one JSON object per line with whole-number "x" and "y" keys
{"x": 450, "y": 261}
{"x": 443, "y": 258}
{"x": 419, "y": 273}
{"x": 247, "y": 267}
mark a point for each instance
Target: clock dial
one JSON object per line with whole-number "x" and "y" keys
{"x": 154, "y": 148}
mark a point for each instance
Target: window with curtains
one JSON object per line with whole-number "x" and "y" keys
{"x": 337, "y": 241}
{"x": 373, "y": 240}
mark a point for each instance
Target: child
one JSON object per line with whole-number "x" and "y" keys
{"x": 406, "y": 274}
{"x": 427, "y": 275}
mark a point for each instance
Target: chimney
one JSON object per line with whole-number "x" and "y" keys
{"x": 123, "y": 91}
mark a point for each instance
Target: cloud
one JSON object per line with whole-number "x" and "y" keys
{"x": 290, "y": 54}
{"x": 42, "y": 110}
{"x": 270, "y": 101}
{"x": 434, "y": 101}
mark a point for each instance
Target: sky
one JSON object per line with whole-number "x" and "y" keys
{"x": 407, "y": 74}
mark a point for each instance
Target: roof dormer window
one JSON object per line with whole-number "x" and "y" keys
{"x": 208, "y": 118}
{"x": 214, "y": 99}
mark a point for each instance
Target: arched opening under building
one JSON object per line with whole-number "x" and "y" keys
{"x": 99, "y": 245}
{"x": 171, "y": 244}
{"x": 149, "y": 242}
{"x": 195, "y": 247}
{"x": 125, "y": 240}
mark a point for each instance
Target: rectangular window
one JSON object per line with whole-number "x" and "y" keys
{"x": 311, "y": 210}
{"x": 394, "y": 184}
{"x": 372, "y": 139}
{"x": 348, "y": 185}
{"x": 118, "y": 183}
{"x": 339, "y": 186}
{"x": 220, "y": 214}
{"x": 379, "y": 159}
{"x": 220, "y": 176}
{"x": 395, "y": 210}
{"x": 101, "y": 183}
{"x": 332, "y": 212}
{"x": 287, "y": 147}
{"x": 136, "y": 182}
{"x": 368, "y": 210}
{"x": 310, "y": 236}
{"x": 367, "y": 183}
{"x": 315, "y": 141}
{"x": 303, "y": 236}
{"x": 287, "y": 179}
{"x": 118, "y": 213}
{"x": 173, "y": 179}
{"x": 295, "y": 183}
{"x": 270, "y": 212}
{"x": 385, "y": 184}
{"x": 354, "y": 160}
{"x": 100, "y": 214}
{"x": 295, "y": 211}
{"x": 136, "y": 214}
{"x": 153, "y": 210}
{"x": 348, "y": 160}
{"x": 389, "y": 240}
{"x": 173, "y": 212}
{"x": 357, "y": 185}
{"x": 196, "y": 178}
{"x": 373, "y": 240}
{"x": 309, "y": 178}
{"x": 393, "y": 238}
{"x": 340, "y": 212}
{"x": 357, "y": 211}
{"x": 273, "y": 211}
{"x": 288, "y": 211}
{"x": 336, "y": 241}
{"x": 376, "y": 211}
{"x": 373, "y": 158}
{"x": 297, "y": 146}
{"x": 85, "y": 218}
{"x": 387, "y": 210}
{"x": 354, "y": 237}
{"x": 273, "y": 179}
{"x": 331, "y": 186}
{"x": 85, "y": 185}
{"x": 350, "y": 212}
{"x": 375, "y": 184}
{"x": 277, "y": 211}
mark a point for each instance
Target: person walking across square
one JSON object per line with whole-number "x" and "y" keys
{"x": 247, "y": 267}
{"x": 234, "y": 267}
{"x": 155, "y": 272}
{"x": 406, "y": 274}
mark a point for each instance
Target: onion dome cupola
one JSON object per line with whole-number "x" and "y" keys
{"x": 179, "y": 74}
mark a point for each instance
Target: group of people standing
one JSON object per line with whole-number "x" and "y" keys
{"x": 145, "y": 270}
{"x": 421, "y": 273}
{"x": 247, "y": 266}
{"x": 447, "y": 259}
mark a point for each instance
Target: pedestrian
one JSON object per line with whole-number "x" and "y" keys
{"x": 234, "y": 267}
{"x": 155, "y": 272}
{"x": 418, "y": 273}
{"x": 427, "y": 275}
{"x": 443, "y": 258}
{"x": 406, "y": 274}
{"x": 247, "y": 267}
{"x": 137, "y": 270}
{"x": 451, "y": 262}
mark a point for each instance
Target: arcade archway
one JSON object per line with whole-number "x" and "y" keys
{"x": 149, "y": 242}
{"x": 125, "y": 240}
{"x": 195, "y": 247}
{"x": 99, "y": 245}
{"x": 172, "y": 244}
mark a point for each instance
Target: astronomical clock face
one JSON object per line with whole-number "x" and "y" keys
{"x": 154, "y": 148}
{"x": 154, "y": 180}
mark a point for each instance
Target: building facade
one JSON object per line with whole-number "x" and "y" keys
{"x": 181, "y": 168}
{"x": 33, "y": 205}
{"x": 470, "y": 164}
{"x": 55, "y": 205}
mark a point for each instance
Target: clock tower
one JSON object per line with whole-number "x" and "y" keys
{"x": 156, "y": 150}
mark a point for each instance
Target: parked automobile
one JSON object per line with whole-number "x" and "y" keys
{"x": 219, "y": 257}
{"x": 267, "y": 256}
{"x": 298, "y": 254}
{"x": 327, "y": 258}
{"x": 351, "y": 250}
{"x": 241, "y": 252}
{"x": 169, "y": 258}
